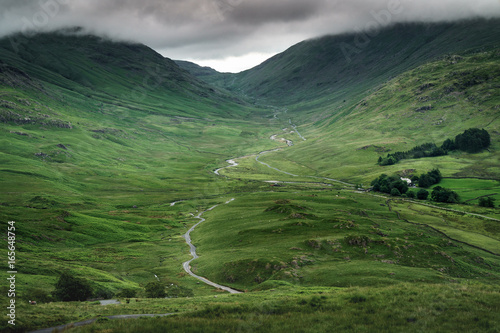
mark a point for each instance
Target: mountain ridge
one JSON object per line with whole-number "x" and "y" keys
{"x": 326, "y": 65}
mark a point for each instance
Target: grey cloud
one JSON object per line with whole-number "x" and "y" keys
{"x": 208, "y": 29}
{"x": 263, "y": 11}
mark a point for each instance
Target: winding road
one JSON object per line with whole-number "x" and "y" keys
{"x": 187, "y": 264}
{"x": 233, "y": 163}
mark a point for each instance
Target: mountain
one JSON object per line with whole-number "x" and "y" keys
{"x": 410, "y": 84}
{"x": 108, "y": 164}
{"x": 98, "y": 67}
{"x": 428, "y": 104}
{"x": 342, "y": 65}
{"x": 197, "y": 70}
{"x": 98, "y": 137}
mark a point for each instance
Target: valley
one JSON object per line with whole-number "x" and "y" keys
{"x": 250, "y": 192}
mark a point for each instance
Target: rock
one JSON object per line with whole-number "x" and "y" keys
{"x": 62, "y": 146}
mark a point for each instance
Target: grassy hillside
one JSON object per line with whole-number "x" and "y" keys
{"x": 431, "y": 103}
{"x": 99, "y": 139}
{"x": 341, "y": 239}
{"x": 343, "y": 67}
{"x": 406, "y": 307}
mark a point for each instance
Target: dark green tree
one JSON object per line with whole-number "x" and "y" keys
{"x": 473, "y": 140}
{"x": 448, "y": 145}
{"x": 127, "y": 293}
{"x": 155, "y": 289}
{"x": 422, "y": 194}
{"x": 487, "y": 202}
{"x": 431, "y": 178}
{"x": 424, "y": 181}
{"x": 386, "y": 184}
{"x": 175, "y": 291}
{"x": 440, "y": 194}
{"x": 71, "y": 288}
{"x": 395, "y": 192}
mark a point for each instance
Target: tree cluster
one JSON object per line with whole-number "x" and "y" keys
{"x": 392, "y": 185}
{"x": 71, "y": 288}
{"x": 441, "y": 194}
{"x": 428, "y": 179}
{"x": 155, "y": 289}
{"x": 472, "y": 140}
{"x": 425, "y": 150}
{"x": 487, "y": 202}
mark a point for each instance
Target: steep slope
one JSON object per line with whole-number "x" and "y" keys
{"x": 97, "y": 138}
{"x": 108, "y": 151}
{"x": 101, "y": 68}
{"x": 430, "y": 103}
{"x": 347, "y": 65}
{"x": 205, "y": 73}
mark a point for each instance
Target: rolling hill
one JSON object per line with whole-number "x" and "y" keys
{"x": 344, "y": 66}
{"x": 108, "y": 152}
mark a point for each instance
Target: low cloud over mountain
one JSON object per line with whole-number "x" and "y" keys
{"x": 220, "y": 29}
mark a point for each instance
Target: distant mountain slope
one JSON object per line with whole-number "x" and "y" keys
{"x": 197, "y": 70}
{"x": 101, "y": 68}
{"x": 89, "y": 126}
{"x": 347, "y": 64}
{"x": 430, "y": 103}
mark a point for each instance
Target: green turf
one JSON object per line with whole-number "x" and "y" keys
{"x": 99, "y": 138}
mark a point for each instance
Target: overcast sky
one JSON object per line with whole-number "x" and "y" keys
{"x": 228, "y": 35}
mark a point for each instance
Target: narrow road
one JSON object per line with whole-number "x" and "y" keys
{"x": 187, "y": 264}
{"x": 233, "y": 164}
{"x": 296, "y": 131}
{"x": 267, "y": 165}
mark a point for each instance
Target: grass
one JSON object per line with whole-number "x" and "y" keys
{"x": 405, "y": 307}
{"x": 471, "y": 189}
{"x": 304, "y": 238}
{"x": 94, "y": 198}
{"x": 349, "y": 146}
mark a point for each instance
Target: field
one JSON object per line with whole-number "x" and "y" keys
{"x": 404, "y": 307}
{"x": 104, "y": 174}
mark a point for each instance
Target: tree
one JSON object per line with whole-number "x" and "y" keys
{"x": 127, "y": 293}
{"x": 448, "y": 145}
{"x": 440, "y": 194}
{"x": 386, "y": 184}
{"x": 395, "y": 192}
{"x": 424, "y": 181}
{"x": 400, "y": 185}
{"x": 431, "y": 178}
{"x": 436, "y": 175}
{"x": 155, "y": 289}
{"x": 411, "y": 194}
{"x": 487, "y": 202}
{"x": 389, "y": 160}
{"x": 422, "y": 194}
{"x": 473, "y": 140}
{"x": 71, "y": 288}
